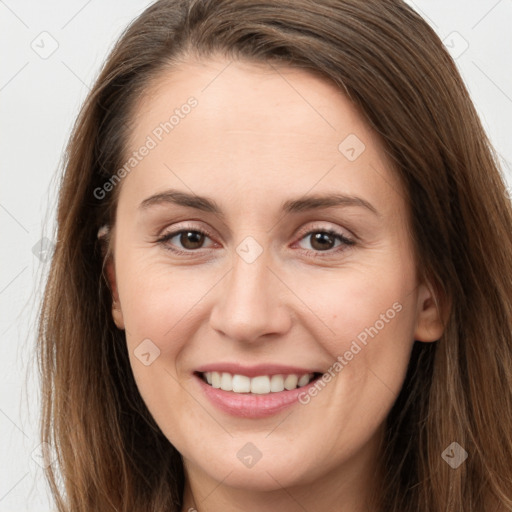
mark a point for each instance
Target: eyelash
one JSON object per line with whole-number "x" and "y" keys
{"x": 345, "y": 242}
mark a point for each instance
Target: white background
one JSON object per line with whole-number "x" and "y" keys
{"x": 39, "y": 101}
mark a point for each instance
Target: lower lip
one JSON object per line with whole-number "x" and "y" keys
{"x": 249, "y": 405}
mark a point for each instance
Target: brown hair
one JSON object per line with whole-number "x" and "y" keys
{"x": 391, "y": 64}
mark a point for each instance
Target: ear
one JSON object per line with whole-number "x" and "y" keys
{"x": 430, "y": 319}
{"x": 105, "y": 236}
{"x": 117, "y": 313}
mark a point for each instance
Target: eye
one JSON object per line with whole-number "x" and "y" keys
{"x": 189, "y": 238}
{"x": 323, "y": 240}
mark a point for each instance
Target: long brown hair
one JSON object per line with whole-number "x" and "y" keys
{"x": 111, "y": 456}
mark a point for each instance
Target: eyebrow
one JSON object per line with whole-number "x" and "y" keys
{"x": 306, "y": 203}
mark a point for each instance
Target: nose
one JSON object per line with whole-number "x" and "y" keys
{"x": 250, "y": 304}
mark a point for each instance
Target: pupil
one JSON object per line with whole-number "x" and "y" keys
{"x": 319, "y": 237}
{"x": 190, "y": 237}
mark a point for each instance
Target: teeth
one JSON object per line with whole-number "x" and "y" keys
{"x": 291, "y": 381}
{"x": 226, "y": 382}
{"x": 215, "y": 379}
{"x": 240, "y": 383}
{"x": 260, "y": 385}
{"x": 303, "y": 380}
{"x": 276, "y": 383}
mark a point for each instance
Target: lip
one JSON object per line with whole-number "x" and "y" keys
{"x": 255, "y": 371}
{"x": 248, "y": 405}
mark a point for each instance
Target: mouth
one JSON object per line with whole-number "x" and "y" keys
{"x": 255, "y": 391}
{"x": 257, "y": 385}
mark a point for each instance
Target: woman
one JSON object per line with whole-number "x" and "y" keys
{"x": 202, "y": 348}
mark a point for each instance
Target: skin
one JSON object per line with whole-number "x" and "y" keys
{"x": 261, "y": 135}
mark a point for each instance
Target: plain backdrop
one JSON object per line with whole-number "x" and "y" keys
{"x": 51, "y": 53}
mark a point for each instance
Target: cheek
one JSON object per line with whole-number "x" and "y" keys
{"x": 159, "y": 306}
{"x": 371, "y": 317}
{"x": 157, "y": 298}
{"x": 361, "y": 307}
{"x": 157, "y": 331}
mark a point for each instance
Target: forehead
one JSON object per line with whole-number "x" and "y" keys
{"x": 242, "y": 95}
{"x": 230, "y": 127}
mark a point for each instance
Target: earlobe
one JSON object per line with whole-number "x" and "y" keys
{"x": 117, "y": 313}
{"x": 430, "y": 318}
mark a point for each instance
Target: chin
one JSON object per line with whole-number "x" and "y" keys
{"x": 270, "y": 473}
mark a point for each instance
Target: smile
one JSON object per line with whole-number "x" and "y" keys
{"x": 260, "y": 385}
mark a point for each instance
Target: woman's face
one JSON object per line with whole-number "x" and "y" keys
{"x": 294, "y": 262}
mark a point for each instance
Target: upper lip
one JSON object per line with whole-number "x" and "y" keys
{"x": 256, "y": 370}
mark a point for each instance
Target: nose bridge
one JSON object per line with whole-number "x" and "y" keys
{"x": 248, "y": 306}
